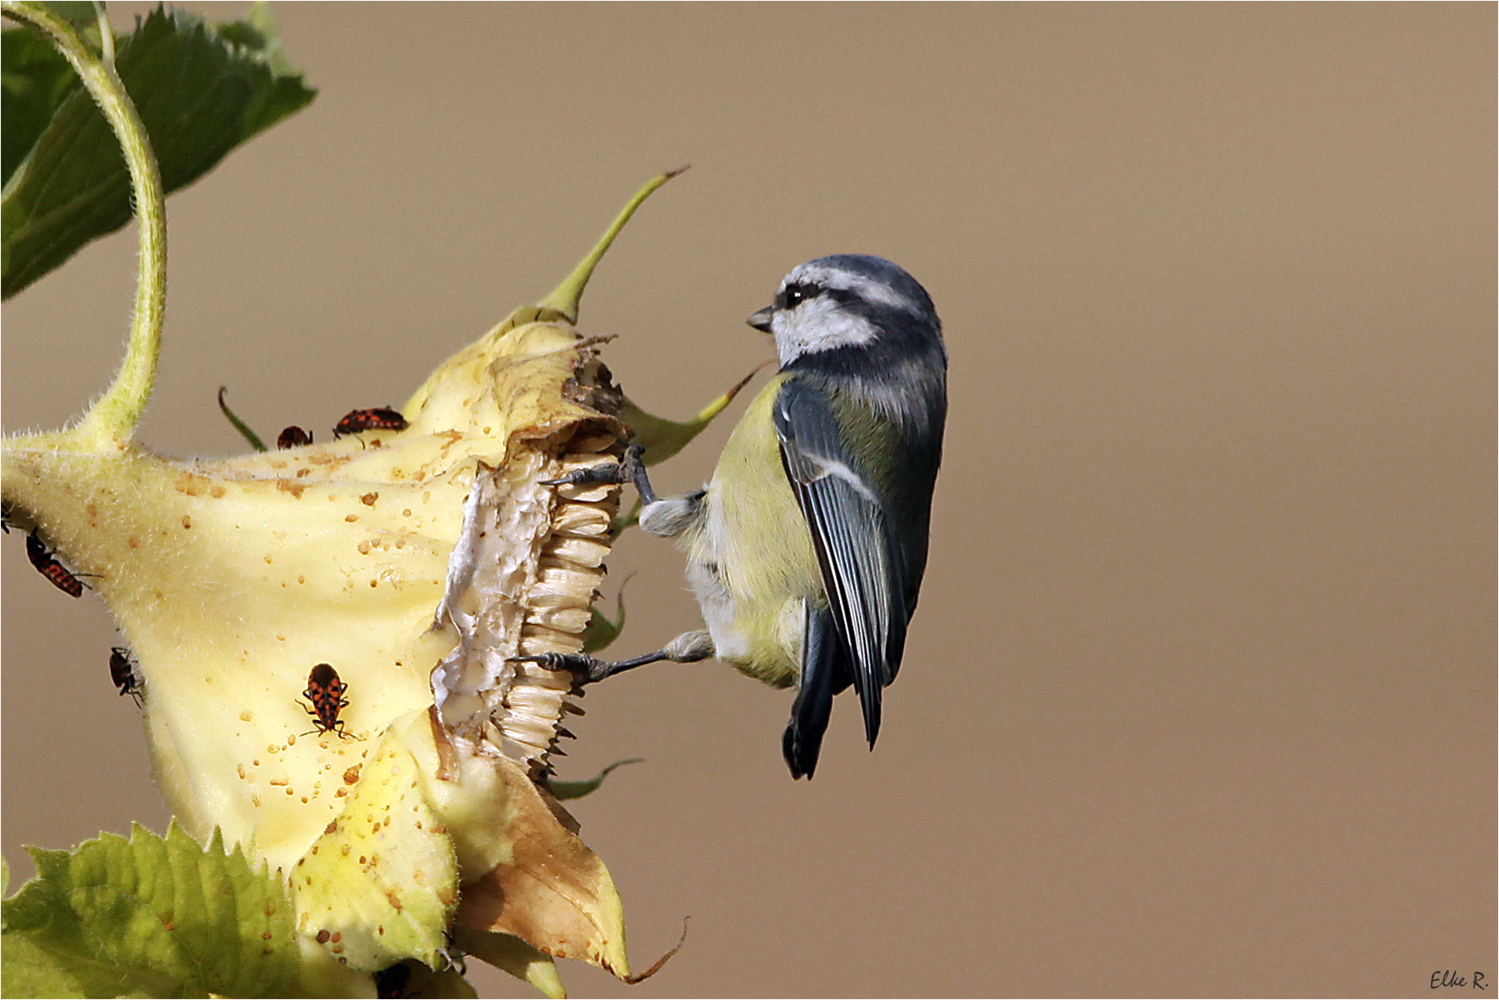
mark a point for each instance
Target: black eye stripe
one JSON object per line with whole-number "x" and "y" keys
{"x": 847, "y": 299}
{"x": 793, "y": 295}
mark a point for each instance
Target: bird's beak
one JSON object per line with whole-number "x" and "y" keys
{"x": 761, "y": 320}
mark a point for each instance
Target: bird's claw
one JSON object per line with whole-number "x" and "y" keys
{"x": 608, "y": 474}
{"x": 586, "y": 669}
{"x": 629, "y": 469}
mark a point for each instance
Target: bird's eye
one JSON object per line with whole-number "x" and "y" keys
{"x": 790, "y": 297}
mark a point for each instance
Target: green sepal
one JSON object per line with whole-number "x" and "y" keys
{"x": 662, "y": 438}
{"x": 601, "y": 631}
{"x": 239, "y": 425}
{"x": 148, "y": 916}
{"x": 562, "y": 790}
{"x": 521, "y": 960}
{"x": 200, "y": 91}
{"x": 628, "y": 519}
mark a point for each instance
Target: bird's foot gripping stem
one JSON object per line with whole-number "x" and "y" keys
{"x": 630, "y": 469}
{"x": 685, "y": 648}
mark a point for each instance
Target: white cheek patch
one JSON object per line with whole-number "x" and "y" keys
{"x": 818, "y": 324}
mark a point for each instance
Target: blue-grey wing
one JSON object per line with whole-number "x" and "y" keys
{"x": 862, "y": 568}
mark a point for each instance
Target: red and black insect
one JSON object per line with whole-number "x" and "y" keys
{"x": 50, "y": 568}
{"x": 394, "y": 981}
{"x": 293, "y": 437}
{"x": 122, "y": 672}
{"x": 377, "y": 418}
{"x": 326, "y": 690}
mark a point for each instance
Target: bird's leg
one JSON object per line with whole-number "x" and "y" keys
{"x": 670, "y": 517}
{"x": 662, "y": 518}
{"x": 688, "y": 647}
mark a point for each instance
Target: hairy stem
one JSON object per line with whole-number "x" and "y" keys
{"x": 114, "y": 415}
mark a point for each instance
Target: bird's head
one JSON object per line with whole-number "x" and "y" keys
{"x": 849, "y": 302}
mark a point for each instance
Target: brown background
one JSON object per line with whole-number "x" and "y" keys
{"x": 1201, "y": 695}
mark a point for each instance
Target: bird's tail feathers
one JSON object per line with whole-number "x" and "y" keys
{"x": 823, "y": 674}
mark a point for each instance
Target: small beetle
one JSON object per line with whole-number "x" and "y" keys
{"x": 122, "y": 672}
{"x": 50, "y": 568}
{"x": 326, "y": 690}
{"x": 292, "y": 437}
{"x": 377, "y": 418}
{"x": 394, "y": 981}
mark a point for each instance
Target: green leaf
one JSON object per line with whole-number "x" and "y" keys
{"x": 663, "y": 438}
{"x": 147, "y": 917}
{"x": 34, "y": 80}
{"x": 562, "y": 790}
{"x": 81, "y": 14}
{"x": 200, "y": 91}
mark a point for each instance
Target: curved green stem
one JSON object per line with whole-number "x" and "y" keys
{"x": 115, "y": 414}
{"x": 564, "y": 298}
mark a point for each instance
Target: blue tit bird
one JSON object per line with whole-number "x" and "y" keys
{"x": 806, "y": 549}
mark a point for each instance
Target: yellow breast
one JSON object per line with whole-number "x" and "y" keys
{"x": 751, "y": 558}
